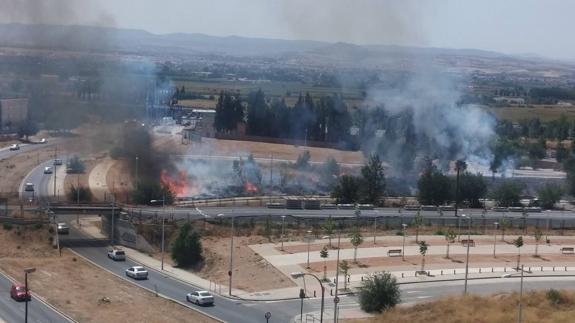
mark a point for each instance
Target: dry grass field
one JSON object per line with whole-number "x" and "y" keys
{"x": 500, "y": 308}
{"x": 545, "y": 113}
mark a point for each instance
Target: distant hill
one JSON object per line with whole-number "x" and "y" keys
{"x": 139, "y": 42}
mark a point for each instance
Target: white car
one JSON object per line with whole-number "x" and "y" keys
{"x": 57, "y": 162}
{"x": 48, "y": 170}
{"x": 200, "y": 297}
{"x": 137, "y": 272}
{"x": 116, "y": 254}
{"x": 14, "y": 147}
{"x": 43, "y": 141}
{"x": 29, "y": 187}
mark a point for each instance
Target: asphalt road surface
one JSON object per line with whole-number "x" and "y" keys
{"x": 12, "y": 311}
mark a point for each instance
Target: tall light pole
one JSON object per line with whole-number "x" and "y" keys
{"x": 495, "y": 224}
{"x": 335, "y": 300}
{"x": 113, "y": 206}
{"x": 26, "y": 300}
{"x": 374, "y": 229}
{"x": 404, "y": 226}
{"x": 520, "y": 305}
{"x": 467, "y": 256}
{"x": 163, "y": 200}
{"x": 283, "y": 230}
{"x": 301, "y": 275}
{"x": 137, "y": 174}
{"x": 55, "y": 168}
{"x": 308, "y": 246}
{"x": 230, "y": 272}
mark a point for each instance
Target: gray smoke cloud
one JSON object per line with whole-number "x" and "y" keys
{"x": 62, "y": 12}
{"x": 443, "y": 129}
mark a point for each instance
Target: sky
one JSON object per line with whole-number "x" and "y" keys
{"x": 540, "y": 27}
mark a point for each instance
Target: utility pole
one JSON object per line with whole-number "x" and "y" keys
{"x": 336, "y": 278}
{"x": 163, "y": 226}
{"x": 520, "y": 310}
{"x": 113, "y": 205}
{"x": 78, "y": 189}
{"x": 55, "y": 168}
{"x": 137, "y": 174}
{"x": 467, "y": 257}
{"x": 271, "y": 171}
{"x": 231, "y": 256}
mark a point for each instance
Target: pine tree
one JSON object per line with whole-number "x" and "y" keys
{"x": 187, "y": 248}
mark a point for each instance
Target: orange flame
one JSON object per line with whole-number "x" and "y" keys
{"x": 249, "y": 187}
{"x": 177, "y": 184}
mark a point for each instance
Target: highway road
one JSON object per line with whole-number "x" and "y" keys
{"x": 12, "y": 311}
{"x": 225, "y": 309}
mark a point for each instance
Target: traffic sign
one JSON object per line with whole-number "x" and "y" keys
{"x": 336, "y": 299}
{"x": 268, "y": 315}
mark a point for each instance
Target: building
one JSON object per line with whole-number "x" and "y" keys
{"x": 13, "y": 111}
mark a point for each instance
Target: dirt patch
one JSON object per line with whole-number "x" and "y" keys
{"x": 251, "y": 272}
{"x": 212, "y": 146}
{"x": 439, "y": 261}
{"x": 119, "y": 180}
{"x": 394, "y": 241}
{"x": 90, "y": 295}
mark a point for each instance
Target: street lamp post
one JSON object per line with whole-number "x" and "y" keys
{"x": 113, "y": 206}
{"x": 308, "y": 246}
{"x": 495, "y": 224}
{"x": 163, "y": 200}
{"x": 374, "y": 229}
{"x": 26, "y": 272}
{"x": 467, "y": 256}
{"x": 137, "y": 174}
{"x": 301, "y": 275}
{"x": 336, "y": 277}
{"x": 283, "y": 230}
{"x": 520, "y": 310}
{"x": 231, "y": 256}
{"x": 404, "y": 226}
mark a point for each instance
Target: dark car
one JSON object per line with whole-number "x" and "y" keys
{"x": 19, "y": 293}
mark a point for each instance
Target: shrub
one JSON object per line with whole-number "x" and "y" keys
{"x": 38, "y": 226}
{"x": 187, "y": 248}
{"x": 379, "y": 292}
{"x": 439, "y": 232}
{"x": 51, "y": 229}
{"x": 7, "y": 226}
{"x": 555, "y": 297}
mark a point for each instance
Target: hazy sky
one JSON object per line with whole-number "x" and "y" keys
{"x": 541, "y": 27}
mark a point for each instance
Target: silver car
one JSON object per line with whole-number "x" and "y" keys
{"x": 200, "y": 297}
{"x": 137, "y": 272}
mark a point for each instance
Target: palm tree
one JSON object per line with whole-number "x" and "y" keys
{"x": 324, "y": 254}
{"x": 518, "y": 243}
{"x": 423, "y": 250}
{"x": 328, "y": 228}
{"x": 417, "y": 223}
{"x": 450, "y": 236}
{"x": 460, "y": 166}
{"x": 356, "y": 240}
{"x": 504, "y": 223}
{"x": 537, "y": 235}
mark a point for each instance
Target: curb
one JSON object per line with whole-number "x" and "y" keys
{"x": 42, "y": 300}
{"x": 489, "y": 277}
{"x": 148, "y": 289}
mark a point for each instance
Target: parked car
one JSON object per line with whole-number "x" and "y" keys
{"x": 63, "y": 228}
{"x": 43, "y": 141}
{"x": 57, "y": 162}
{"x": 14, "y": 147}
{"x": 116, "y": 254}
{"x": 200, "y": 297}
{"x": 19, "y": 293}
{"x": 29, "y": 187}
{"x": 137, "y": 272}
{"x": 48, "y": 170}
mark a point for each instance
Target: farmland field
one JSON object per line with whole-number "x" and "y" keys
{"x": 545, "y": 113}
